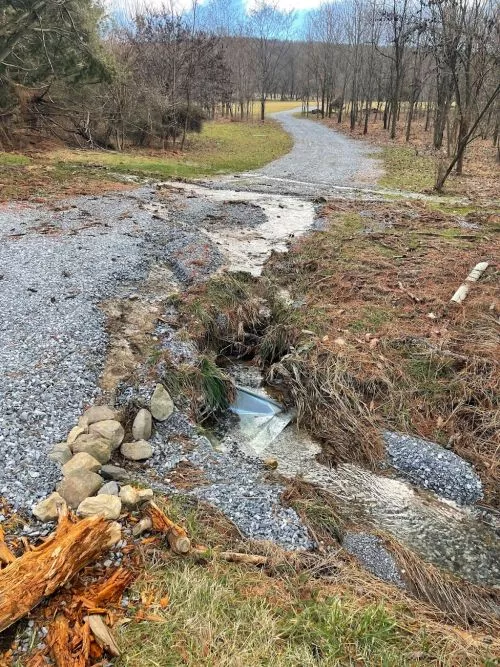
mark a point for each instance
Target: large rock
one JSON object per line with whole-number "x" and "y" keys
{"x": 81, "y": 461}
{"x": 132, "y": 497}
{"x": 142, "y": 426}
{"x": 110, "y": 489}
{"x": 48, "y": 509}
{"x": 60, "y": 453}
{"x": 80, "y": 485}
{"x": 137, "y": 451}
{"x": 98, "y": 413}
{"x": 115, "y": 473}
{"x": 110, "y": 430}
{"x": 75, "y": 432}
{"x": 161, "y": 404}
{"x": 91, "y": 444}
{"x": 104, "y": 505}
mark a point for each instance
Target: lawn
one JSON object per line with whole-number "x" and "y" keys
{"x": 223, "y": 147}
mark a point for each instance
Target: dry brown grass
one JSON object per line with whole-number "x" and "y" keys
{"x": 377, "y": 285}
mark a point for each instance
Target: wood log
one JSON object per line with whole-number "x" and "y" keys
{"x": 176, "y": 535}
{"x": 6, "y": 555}
{"x": 69, "y": 643}
{"x": 26, "y": 581}
{"x": 236, "y": 557}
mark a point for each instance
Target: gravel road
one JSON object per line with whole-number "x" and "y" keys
{"x": 320, "y": 162}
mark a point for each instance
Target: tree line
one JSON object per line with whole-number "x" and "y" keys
{"x": 148, "y": 76}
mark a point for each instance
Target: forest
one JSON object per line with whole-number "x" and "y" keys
{"x": 149, "y": 75}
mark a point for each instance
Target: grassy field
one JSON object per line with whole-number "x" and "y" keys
{"x": 406, "y": 170}
{"x": 222, "y": 147}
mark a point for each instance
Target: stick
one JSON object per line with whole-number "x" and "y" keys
{"x": 176, "y": 535}
{"x": 236, "y": 557}
{"x": 38, "y": 573}
{"x": 473, "y": 277}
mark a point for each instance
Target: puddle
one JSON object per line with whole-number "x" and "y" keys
{"x": 248, "y": 248}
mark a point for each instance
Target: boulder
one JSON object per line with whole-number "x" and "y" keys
{"x": 110, "y": 489}
{"x": 161, "y": 404}
{"x": 115, "y": 473}
{"x": 81, "y": 461}
{"x": 98, "y": 413}
{"x": 91, "y": 444}
{"x": 137, "y": 451}
{"x": 75, "y": 432}
{"x": 79, "y": 485}
{"x": 110, "y": 430}
{"x": 142, "y": 426}
{"x": 48, "y": 509}
{"x": 132, "y": 497}
{"x": 104, "y": 505}
{"x": 60, "y": 453}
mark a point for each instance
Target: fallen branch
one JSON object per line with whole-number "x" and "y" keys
{"x": 473, "y": 277}
{"x": 26, "y": 581}
{"x": 235, "y": 557}
{"x": 176, "y": 535}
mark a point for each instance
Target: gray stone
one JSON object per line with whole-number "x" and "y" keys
{"x": 47, "y": 510}
{"x": 98, "y": 413}
{"x": 137, "y": 451}
{"x": 80, "y": 485}
{"x": 115, "y": 473}
{"x": 110, "y": 489}
{"x": 142, "y": 426}
{"x": 108, "y": 506}
{"x": 110, "y": 430}
{"x": 161, "y": 404}
{"x": 91, "y": 444}
{"x": 81, "y": 461}
{"x": 60, "y": 453}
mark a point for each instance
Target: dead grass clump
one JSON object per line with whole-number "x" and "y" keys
{"x": 332, "y": 401}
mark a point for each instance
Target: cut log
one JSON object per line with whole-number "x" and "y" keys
{"x": 6, "y": 555}
{"x": 473, "y": 277}
{"x": 176, "y": 535}
{"x": 26, "y": 581}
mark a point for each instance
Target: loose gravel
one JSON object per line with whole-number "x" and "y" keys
{"x": 430, "y": 466}
{"x": 371, "y": 553}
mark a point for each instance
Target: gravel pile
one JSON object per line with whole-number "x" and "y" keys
{"x": 432, "y": 467}
{"x": 371, "y": 553}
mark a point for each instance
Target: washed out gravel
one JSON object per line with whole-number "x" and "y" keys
{"x": 371, "y": 553}
{"x": 430, "y": 466}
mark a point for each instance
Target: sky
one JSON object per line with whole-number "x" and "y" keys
{"x": 287, "y": 5}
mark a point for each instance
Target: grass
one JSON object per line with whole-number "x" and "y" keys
{"x": 222, "y": 147}
{"x": 406, "y": 169}
{"x": 273, "y": 106}
{"x": 285, "y": 614}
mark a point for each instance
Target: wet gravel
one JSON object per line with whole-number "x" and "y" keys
{"x": 430, "y": 466}
{"x": 371, "y": 553}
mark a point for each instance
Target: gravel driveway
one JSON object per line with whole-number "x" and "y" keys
{"x": 320, "y": 163}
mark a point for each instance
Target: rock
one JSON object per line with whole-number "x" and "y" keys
{"x": 141, "y": 428}
{"x": 110, "y": 489}
{"x": 98, "y": 413}
{"x": 91, "y": 444}
{"x": 115, "y": 473}
{"x": 109, "y": 429}
{"x": 109, "y": 506}
{"x": 142, "y": 526}
{"x": 81, "y": 461}
{"x": 75, "y": 432}
{"x": 137, "y": 451}
{"x": 60, "y": 453}
{"x": 272, "y": 464}
{"x": 47, "y": 510}
{"x": 79, "y": 485}
{"x": 161, "y": 404}
{"x": 132, "y": 497}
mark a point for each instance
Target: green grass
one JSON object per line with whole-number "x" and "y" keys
{"x": 7, "y": 159}
{"x": 220, "y": 149}
{"x": 406, "y": 170}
